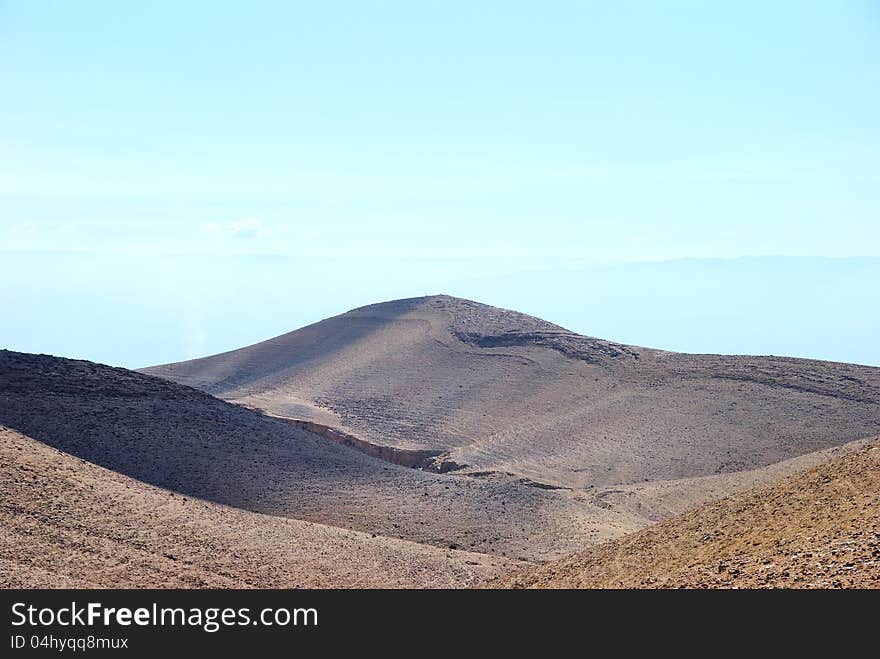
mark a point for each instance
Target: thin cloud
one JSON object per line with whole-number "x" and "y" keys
{"x": 246, "y": 229}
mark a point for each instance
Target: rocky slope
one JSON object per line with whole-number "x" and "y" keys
{"x": 418, "y": 430}
{"x": 503, "y": 392}
{"x": 189, "y": 442}
{"x": 817, "y": 529}
{"x": 66, "y": 523}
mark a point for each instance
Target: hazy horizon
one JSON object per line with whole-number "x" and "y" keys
{"x": 793, "y": 306}
{"x": 180, "y": 180}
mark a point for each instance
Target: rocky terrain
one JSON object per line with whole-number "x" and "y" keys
{"x": 67, "y": 523}
{"x": 189, "y": 442}
{"x": 427, "y": 442}
{"x": 503, "y": 392}
{"x": 817, "y": 529}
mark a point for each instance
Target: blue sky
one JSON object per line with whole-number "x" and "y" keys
{"x": 179, "y": 178}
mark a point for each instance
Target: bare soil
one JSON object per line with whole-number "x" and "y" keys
{"x": 314, "y": 453}
{"x": 817, "y": 529}
{"x": 67, "y": 523}
{"x": 187, "y": 441}
{"x": 503, "y": 392}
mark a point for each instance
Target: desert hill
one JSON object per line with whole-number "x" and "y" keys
{"x": 186, "y": 441}
{"x": 443, "y": 434}
{"x": 65, "y": 523}
{"x": 504, "y": 393}
{"x": 817, "y": 529}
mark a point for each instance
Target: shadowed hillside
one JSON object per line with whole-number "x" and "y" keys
{"x": 507, "y": 393}
{"x": 184, "y": 440}
{"x": 68, "y": 523}
{"x": 437, "y": 421}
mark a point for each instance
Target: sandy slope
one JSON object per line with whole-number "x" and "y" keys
{"x": 506, "y": 392}
{"x": 184, "y": 440}
{"x": 817, "y": 529}
{"x": 65, "y": 522}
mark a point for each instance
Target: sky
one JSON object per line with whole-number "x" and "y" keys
{"x": 182, "y": 178}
